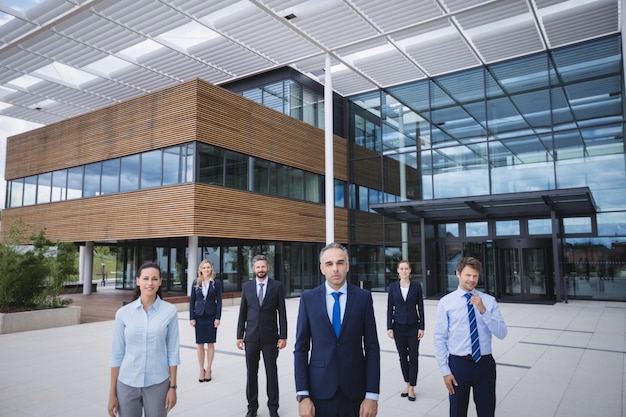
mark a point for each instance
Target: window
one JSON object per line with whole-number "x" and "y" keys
{"x": 129, "y": 177}
{"x": 507, "y": 228}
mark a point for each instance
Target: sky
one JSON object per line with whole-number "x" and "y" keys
{"x": 9, "y": 127}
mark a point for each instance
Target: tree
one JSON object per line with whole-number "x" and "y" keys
{"x": 32, "y": 276}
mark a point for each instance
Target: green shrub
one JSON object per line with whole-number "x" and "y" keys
{"x": 32, "y": 277}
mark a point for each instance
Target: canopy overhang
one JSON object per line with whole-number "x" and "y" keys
{"x": 564, "y": 203}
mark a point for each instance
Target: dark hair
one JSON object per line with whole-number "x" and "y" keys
{"x": 334, "y": 245}
{"x": 468, "y": 261}
{"x": 143, "y": 266}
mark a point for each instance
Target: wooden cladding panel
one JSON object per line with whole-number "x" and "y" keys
{"x": 163, "y": 212}
{"x": 240, "y": 215}
{"x": 194, "y": 110}
{"x": 228, "y": 120}
{"x": 156, "y": 120}
{"x": 180, "y": 211}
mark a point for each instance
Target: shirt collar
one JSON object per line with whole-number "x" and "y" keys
{"x": 342, "y": 290}
{"x": 137, "y": 303}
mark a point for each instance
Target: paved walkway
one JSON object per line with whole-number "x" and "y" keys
{"x": 563, "y": 360}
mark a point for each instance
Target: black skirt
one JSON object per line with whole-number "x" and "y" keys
{"x": 205, "y": 329}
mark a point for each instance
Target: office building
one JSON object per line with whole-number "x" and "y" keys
{"x": 515, "y": 154}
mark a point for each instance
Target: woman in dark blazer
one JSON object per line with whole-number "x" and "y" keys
{"x": 205, "y": 311}
{"x": 405, "y": 324}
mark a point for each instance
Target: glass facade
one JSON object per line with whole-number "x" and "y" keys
{"x": 549, "y": 121}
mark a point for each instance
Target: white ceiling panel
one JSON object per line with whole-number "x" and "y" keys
{"x": 135, "y": 46}
{"x": 402, "y": 15}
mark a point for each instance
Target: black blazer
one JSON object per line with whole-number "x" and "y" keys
{"x": 257, "y": 323}
{"x": 209, "y": 306}
{"x": 323, "y": 362}
{"x": 409, "y": 312}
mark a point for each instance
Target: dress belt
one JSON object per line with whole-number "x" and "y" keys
{"x": 468, "y": 357}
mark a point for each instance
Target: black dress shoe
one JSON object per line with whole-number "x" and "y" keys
{"x": 251, "y": 413}
{"x": 404, "y": 394}
{"x": 411, "y": 398}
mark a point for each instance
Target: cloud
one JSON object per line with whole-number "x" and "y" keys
{"x": 9, "y": 127}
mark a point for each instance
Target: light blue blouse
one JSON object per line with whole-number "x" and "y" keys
{"x": 145, "y": 345}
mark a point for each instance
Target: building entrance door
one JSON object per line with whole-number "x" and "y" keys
{"x": 525, "y": 269}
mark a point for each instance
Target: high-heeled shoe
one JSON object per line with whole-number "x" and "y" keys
{"x": 201, "y": 379}
{"x": 404, "y": 394}
{"x": 205, "y": 378}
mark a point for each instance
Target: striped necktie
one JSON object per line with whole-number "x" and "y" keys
{"x": 473, "y": 329}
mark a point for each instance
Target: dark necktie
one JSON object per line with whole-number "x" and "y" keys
{"x": 337, "y": 314}
{"x": 260, "y": 293}
{"x": 473, "y": 329}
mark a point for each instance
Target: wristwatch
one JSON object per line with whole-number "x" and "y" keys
{"x": 301, "y": 397}
{"x": 173, "y": 386}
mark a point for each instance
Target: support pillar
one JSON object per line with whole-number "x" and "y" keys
{"x": 87, "y": 267}
{"x": 192, "y": 262}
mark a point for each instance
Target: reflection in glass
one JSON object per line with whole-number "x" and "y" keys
{"x": 44, "y": 187}
{"x": 75, "y": 182}
{"x": 111, "y": 176}
{"x": 16, "y": 188}
{"x": 91, "y": 183}
{"x": 507, "y": 228}
{"x": 129, "y": 177}
{"x": 474, "y": 229}
{"x": 151, "y": 163}
{"x": 59, "y": 185}
{"x": 539, "y": 226}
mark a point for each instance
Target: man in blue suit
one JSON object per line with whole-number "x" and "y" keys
{"x": 262, "y": 304}
{"x": 336, "y": 353}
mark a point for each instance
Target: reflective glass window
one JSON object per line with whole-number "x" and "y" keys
{"x": 573, "y": 225}
{"x": 448, "y": 230}
{"x": 236, "y": 170}
{"x": 507, "y": 228}
{"x": 526, "y": 159}
{"x": 129, "y": 177}
{"x": 151, "y": 163}
{"x": 75, "y": 182}
{"x": 464, "y": 166}
{"x": 262, "y": 176}
{"x": 174, "y": 165}
{"x": 312, "y": 187}
{"x": 210, "y": 165}
{"x": 30, "y": 190}
{"x": 340, "y": 191}
{"x": 539, "y": 226}
{"x": 44, "y": 188}
{"x": 279, "y": 180}
{"x": 296, "y": 183}
{"x": 295, "y": 99}
{"x": 59, "y": 185}
{"x": 16, "y": 195}
{"x": 274, "y": 97}
{"x": 475, "y": 229}
{"x": 612, "y": 224}
{"x": 91, "y": 183}
{"x": 111, "y": 176}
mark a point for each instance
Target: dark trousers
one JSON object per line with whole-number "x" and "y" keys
{"x": 481, "y": 378}
{"x": 253, "y": 356}
{"x": 408, "y": 345}
{"x": 337, "y": 406}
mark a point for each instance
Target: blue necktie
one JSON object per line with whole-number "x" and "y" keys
{"x": 337, "y": 314}
{"x": 473, "y": 330}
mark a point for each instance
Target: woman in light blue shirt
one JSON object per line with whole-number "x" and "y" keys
{"x": 145, "y": 354}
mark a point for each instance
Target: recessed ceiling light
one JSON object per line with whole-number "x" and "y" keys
{"x": 290, "y": 16}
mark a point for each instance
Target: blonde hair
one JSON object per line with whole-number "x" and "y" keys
{"x": 199, "y": 277}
